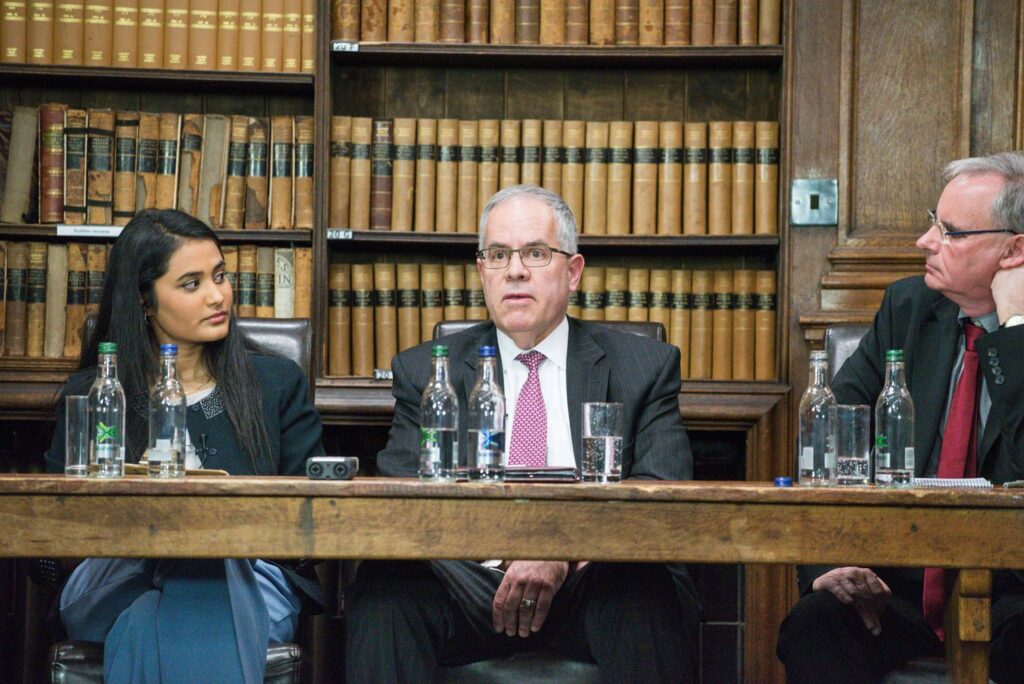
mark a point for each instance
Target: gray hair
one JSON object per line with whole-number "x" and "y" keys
{"x": 565, "y": 222}
{"x": 1007, "y": 208}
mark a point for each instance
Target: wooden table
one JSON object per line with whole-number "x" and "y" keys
{"x": 708, "y": 522}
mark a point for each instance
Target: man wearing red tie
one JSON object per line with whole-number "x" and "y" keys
{"x": 637, "y": 622}
{"x": 961, "y": 327}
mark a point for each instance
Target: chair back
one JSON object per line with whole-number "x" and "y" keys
{"x": 642, "y": 328}
{"x": 840, "y": 342}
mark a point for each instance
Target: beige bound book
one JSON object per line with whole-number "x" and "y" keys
{"x": 596, "y": 196}
{"x": 620, "y": 176}
{"x": 469, "y": 167}
{"x": 551, "y": 174}
{"x": 385, "y": 314}
{"x": 764, "y": 325}
{"x": 282, "y": 138}
{"x": 213, "y": 166}
{"x": 721, "y": 327}
{"x": 362, "y": 319}
{"x": 447, "y": 169}
{"x": 340, "y": 170}
{"x": 743, "y": 177}
{"x": 639, "y": 285}
{"x": 339, "y": 319}
{"x": 426, "y": 174}
{"x": 487, "y": 174}
{"x": 573, "y": 150}
{"x": 695, "y": 179}
{"x": 720, "y": 178}
{"x": 432, "y": 298}
{"x": 408, "y": 276}
{"x": 645, "y": 178}
{"x": 616, "y": 293}
{"x": 454, "y": 292}
{"x": 701, "y": 325}
{"x": 359, "y": 196}
{"x": 670, "y": 177}
{"x": 530, "y": 171}
{"x": 190, "y": 159}
{"x": 743, "y": 325}
{"x": 679, "y": 318}
{"x": 508, "y": 169}
{"x": 766, "y": 178}
{"x": 403, "y": 174}
{"x": 592, "y": 294}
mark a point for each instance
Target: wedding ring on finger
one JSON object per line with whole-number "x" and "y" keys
{"x": 527, "y": 603}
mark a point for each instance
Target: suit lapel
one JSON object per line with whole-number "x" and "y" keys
{"x": 585, "y": 378}
{"x": 935, "y": 349}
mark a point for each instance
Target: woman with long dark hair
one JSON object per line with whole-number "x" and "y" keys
{"x": 249, "y": 414}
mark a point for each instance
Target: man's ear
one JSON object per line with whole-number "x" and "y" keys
{"x": 1013, "y": 252}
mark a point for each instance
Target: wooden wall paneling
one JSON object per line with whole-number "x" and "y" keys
{"x": 109, "y": 99}
{"x": 359, "y": 91}
{"x": 227, "y": 104}
{"x": 182, "y": 103}
{"x": 285, "y": 105}
{"x": 763, "y": 97}
{"x": 594, "y": 95}
{"x": 416, "y": 93}
{"x": 536, "y": 94}
{"x": 474, "y": 93}
{"x": 655, "y": 95}
{"x": 716, "y": 95}
{"x": 995, "y": 64}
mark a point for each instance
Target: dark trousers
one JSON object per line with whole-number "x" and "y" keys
{"x": 407, "y": 619}
{"x": 823, "y": 639}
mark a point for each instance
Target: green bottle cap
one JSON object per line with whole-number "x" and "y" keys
{"x": 439, "y": 350}
{"x": 894, "y": 355}
{"x": 108, "y": 347}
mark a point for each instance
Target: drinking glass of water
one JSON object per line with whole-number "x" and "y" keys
{"x": 853, "y": 444}
{"x": 602, "y": 442}
{"x": 76, "y": 436}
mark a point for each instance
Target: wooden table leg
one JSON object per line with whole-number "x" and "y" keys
{"x": 969, "y": 627}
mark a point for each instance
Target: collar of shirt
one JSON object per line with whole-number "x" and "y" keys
{"x": 555, "y": 347}
{"x": 988, "y": 322}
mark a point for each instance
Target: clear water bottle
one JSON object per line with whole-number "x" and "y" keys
{"x": 439, "y": 422}
{"x": 894, "y": 426}
{"x": 816, "y": 451}
{"x": 486, "y": 456}
{"x": 167, "y": 419}
{"x": 106, "y": 417}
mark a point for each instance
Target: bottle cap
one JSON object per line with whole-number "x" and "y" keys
{"x": 894, "y": 355}
{"x": 487, "y": 352}
{"x": 108, "y": 348}
{"x": 168, "y": 349}
{"x": 783, "y": 482}
{"x": 439, "y": 350}
{"x": 819, "y": 355}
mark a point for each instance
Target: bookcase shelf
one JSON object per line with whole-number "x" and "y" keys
{"x": 82, "y": 77}
{"x": 39, "y": 231}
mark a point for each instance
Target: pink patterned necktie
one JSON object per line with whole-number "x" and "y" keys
{"x": 529, "y": 445}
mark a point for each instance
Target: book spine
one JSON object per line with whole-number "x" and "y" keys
{"x": 627, "y": 22}
{"x": 212, "y": 168}
{"x": 246, "y": 280}
{"x": 602, "y": 22}
{"x": 56, "y": 300}
{"x": 721, "y": 327}
{"x": 679, "y": 318}
{"x": 385, "y": 315}
{"x": 272, "y": 36}
{"x": 454, "y": 292}
{"x": 670, "y": 177}
{"x": 100, "y": 176}
{"x": 552, "y": 22}
{"x": 304, "y": 142}
{"x": 284, "y": 282}
{"x": 511, "y": 154}
{"x": 408, "y": 276}
{"x": 720, "y": 178}
{"x": 577, "y": 22}
{"x": 76, "y": 135}
{"x": 231, "y": 270}
{"x": 341, "y": 167}
{"x": 234, "y": 185}
{"x": 362, "y": 319}
{"x": 291, "y": 37}
{"x": 726, "y": 21}
{"x": 99, "y": 33}
{"x": 431, "y": 298}
{"x": 227, "y": 35}
{"x": 345, "y": 20}
{"x": 503, "y": 25}
{"x": 359, "y": 196}
{"x": 426, "y": 174}
{"x": 175, "y": 34}
{"x": 126, "y": 132}
{"x": 695, "y": 179}
{"x": 401, "y": 22}
{"x": 677, "y": 22}
{"x": 764, "y": 325}
{"x": 15, "y": 311}
{"x": 747, "y": 22}
{"x": 69, "y": 33}
{"x": 527, "y": 22}
{"x": 595, "y": 198}
{"x": 373, "y": 25}
{"x": 21, "y": 166}
{"x": 14, "y": 32}
{"x": 573, "y": 169}
{"x": 51, "y": 163}
{"x": 530, "y": 171}
{"x": 769, "y": 22}
{"x": 592, "y": 294}
{"x": 381, "y": 181}
{"x": 645, "y": 178}
{"x": 126, "y": 33}
{"x": 766, "y": 178}
{"x": 3, "y": 294}
{"x": 303, "y": 283}
{"x": 468, "y": 177}
{"x": 701, "y": 315}
{"x": 639, "y": 284}
{"x": 659, "y": 302}
{"x": 167, "y": 161}
{"x": 256, "y": 186}
{"x": 616, "y": 293}
{"x": 652, "y": 22}
{"x": 487, "y": 175}
{"x": 151, "y": 33}
{"x": 703, "y": 22}
{"x": 477, "y": 21}
{"x": 551, "y": 172}
{"x": 35, "y": 299}
{"x": 96, "y": 265}
{"x": 403, "y": 170}
{"x": 281, "y": 150}
{"x": 620, "y": 176}
{"x": 452, "y": 15}
{"x": 250, "y": 35}
{"x": 76, "y": 288}
{"x": 39, "y": 32}
{"x": 308, "y": 63}
{"x": 743, "y": 178}
{"x": 190, "y": 160}
{"x": 743, "y": 325}
{"x": 476, "y": 305}
{"x": 339, "y": 319}
{"x": 202, "y": 35}
{"x": 148, "y": 152}
{"x": 447, "y": 176}
{"x": 265, "y": 277}
{"x": 427, "y": 18}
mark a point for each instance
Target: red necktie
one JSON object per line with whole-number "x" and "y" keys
{"x": 957, "y": 458}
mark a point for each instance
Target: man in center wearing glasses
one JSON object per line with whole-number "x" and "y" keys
{"x": 638, "y": 622}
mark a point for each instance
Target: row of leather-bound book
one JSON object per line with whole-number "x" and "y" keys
{"x": 47, "y": 290}
{"x": 723, "y": 321}
{"x": 100, "y": 166}
{"x": 619, "y": 177}
{"x": 207, "y": 35}
{"x": 559, "y": 22}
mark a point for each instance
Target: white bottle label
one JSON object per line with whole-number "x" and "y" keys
{"x": 161, "y": 452}
{"x": 807, "y": 458}
{"x": 908, "y": 458}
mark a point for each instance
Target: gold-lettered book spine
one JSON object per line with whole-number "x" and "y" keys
{"x": 362, "y": 319}
{"x": 126, "y": 154}
{"x": 339, "y": 319}
{"x": 385, "y": 314}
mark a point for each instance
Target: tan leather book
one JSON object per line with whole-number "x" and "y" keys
{"x": 126, "y": 152}
{"x": 454, "y": 292}
{"x": 68, "y": 34}
{"x": 15, "y": 310}
{"x": 265, "y": 282}
{"x": 401, "y": 23}
{"x": 602, "y": 22}
{"x": 592, "y": 293}
{"x": 246, "y": 280}
{"x": 256, "y": 174}
{"x": 98, "y": 36}
{"x": 764, "y": 325}
{"x": 339, "y": 319}
{"x": 695, "y": 179}
{"x": 487, "y": 175}
{"x": 75, "y": 299}
{"x": 213, "y": 169}
{"x": 190, "y": 162}
{"x": 147, "y": 152}
{"x": 35, "y": 299}
{"x": 76, "y": 135}
{"x": 308, "y": 51}
{"x": 616, "y": 293}
{"x": 703, "y": 22}
{"x": 659, "y": 300}
{"x": 652, "y": 22}
{"x": 303, "y": 307}
{"x": 645, "y": 178}
{"x": 577, "y": 22}
{"x": 282, "y": 137}
{"x": 167, "y": 161}
{"x": 742, "y": 177}
{"x": 701, "y": 321}
{"x": 743, "y": 325}
{"x": 403, "y": 175}
{"x": 679, "y": 318}
{"x": 362, "y": 319}
{"x": 670, "y": 177}
{"x": 677, "y": 22}
{"x": 175, "y": 34}
{"x": 341, "y": 168}
{"x": 503, "y": 22}
{"x": 766, "y": 178}
{"x": 151, "y": 34}
{"x": 552, "y": 22}
{"x": 721, "y": 327}
{"x": 284, "y": 282}
{"x": 551, "y": 171}
{"x": 381, "y": 181}
{"x": 595, "y": 192}
{"x": 39, "y": 32}
{"x": 620, "y": 176}
{"x": 291, "y": 37}
{"x": 747, "y": 22}
{"x": 272, "y": 36}
{"x": 469, "y": 166}
{"x": 345, "y": 20}
{"x": 51, "y": 162}
{"x": 720, "y": 178}
{"x": 476, "y": 305}
{"x": 477, "y": 21}
{"x": 627, "y": 22}
{"x": 230, "y": 253}
{"x": 574, "y": 305}
{"x": 432, "y": 299}
{"x": 408, "y": 277}
{"x": 125, "y": 39}
{"x": 20, "y": 174}
{"x": 202, "y": 35}
{"x": 99, "y": 184}
{"x": 427, "y": 15}
{"x": 359, "y": 195}
{"x": 511, "y": 154}
{"x": 96, "y": 263}
{"x": 527, "y": 22}
{"x": 769, "y": 22}
{"x": 573, "y": 169}
{"x": 726, "y": 22}
{"x": 385, "y": 314}
{"x": 14, "y": 32}
{"x": 304, "y": 142}
{"x": 532, "y": 137}
{"x": 426, "y": 174}
{"x": 227, "y": 35}
{"x": 447, "y": 169}
{"x": 250, "y": 35}
{"x": 639, "y": 283}
{"x": 56, "y": 276}
{"x": 234, "y": 183}
{"x": 373, "y": 24}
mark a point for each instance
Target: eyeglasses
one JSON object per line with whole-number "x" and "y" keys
{"x": 533, "y": 256}
{"x": 948, "y": 235}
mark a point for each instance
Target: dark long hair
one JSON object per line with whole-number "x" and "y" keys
{"x": 139, "y": 257}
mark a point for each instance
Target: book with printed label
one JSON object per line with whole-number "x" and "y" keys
{"x": 408, "y": 302}
{"x": 256, "y": 181}
{"x": 726, "y": 22}
{"x": 250, "y": 32}
{"x": 645, "y": 178}
{"x": 291, "y": 37}
{"x": 227, "y": 35}
{"x": 151, "y": 34}
{"x": 573, "y": 169}
{"x": 76, "y": 136}
{"x": 527, "y": 22}
{"x": 96, "y": 269}
{"x": 670, "y": 177}
{"x": 639, "y": 284}
{"x": 339, "y": 319}
{"x": 380, "y": 175}
{"x": 426, "y": 174}
{"x": 15, "y": 311}
{"x": 743, "y": 342}
{"x": 246, "y": 299}
{"x": 265, "y": 279}
{"x": 721, "y": 326}
{"x": 147, "y": 153}
{"x": 359, "y": 194}
{"x": 679, "y": 318}
{"x": 695, "y": 179}
{"x": 720, "y": 178}
{"x": 766, "y": 178}
{"x": 551, "y": 172}
{"x": 304, "y": 141}
{"x": 39, "y": 32}
{"x": 595, "y": 197}
{"x": 477, "y": 21}
{"x": 272, "y": 35}
{"x": 403, "y": 174}
{"x": 764, "y": 325}
{"x": 447, "y": 171}
{"x": 385, "y": 314}
{"x": 532, "y": 137}
{"x": 620, "y": 177}
{"x": 282, "y": 138}
{"x": 468, "y": 178}
{"x": 51, "y": 163}
{"x": 126, "y": 33}
{"x": 362, "y": 319}
{"x": 99, "y": 197}
{"x": 35, "y": 299}
{"x": 202, "y": 34}
{"x": 284, "y": 282}
{"x": 340, "y": 171}
{"x": 702, "y": 17}
{"x": 234, "y": 182}
{"x": 476, "y": 306}
{"x": 511, "y": 153}
{"x": 659, "y": 300}
{"x": 602, "y": 22}
{"x": 742, "y": 177}
{"x": 167, "y": 160}
{"x": 75, "y": 298}
{"x": 308, "y": 36}
{"x": 98, "y": 37}
{"x": 616, "y": 293}
{"x": 701, "y": 321}
{"x": 56, "y": 300}
{"x": 454, "y": 292}
{"x": 592, "y": 294}
{"x": 68, "y": 32}
{"x": 431, "y": 298}
{"x": 126, "y": 142}
{"x": 190, "y": 162}
{"x": 487, "y": 174}
{"x": 176, "y": 34}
